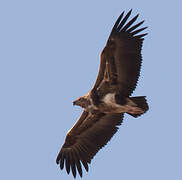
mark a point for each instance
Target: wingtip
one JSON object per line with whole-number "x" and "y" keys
{"x": 67, "y": 163}
{"x": 130, "y": 10}
{"x": 141, "y": 36}
{"x": 122, "y": 13}
{"x": 138, "y": 31}
{"x": 57, "y": 160}
{"x": 137, "y": 15}
{"x": 85, "y": 165}
{"x": 74, "y": 174}
{"x": 81, "y": 175}
{"x": 128, "y": 25}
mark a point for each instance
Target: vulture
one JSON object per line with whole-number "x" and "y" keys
{"x": 110, "y": 97}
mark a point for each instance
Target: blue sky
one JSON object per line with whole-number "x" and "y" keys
{"x": 50, "y": 56}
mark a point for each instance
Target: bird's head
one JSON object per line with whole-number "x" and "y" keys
{"x": 83, "y": 101}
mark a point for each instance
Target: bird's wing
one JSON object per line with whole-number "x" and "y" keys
{"x": 90, "y": 133}
{"x": 123, "y": 53}
{"x": 101, "y": 72}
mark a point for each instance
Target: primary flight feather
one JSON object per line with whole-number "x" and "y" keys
{"x": 109, "y": 98}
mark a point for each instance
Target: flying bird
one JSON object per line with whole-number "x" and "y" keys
{"x": 110, "y": 97}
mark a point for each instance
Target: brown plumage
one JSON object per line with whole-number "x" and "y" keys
{"x": 109, "y": 98}
{"x": 85, "y": 139}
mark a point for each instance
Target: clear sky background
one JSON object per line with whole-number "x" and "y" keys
{"x": 49, "y": 55}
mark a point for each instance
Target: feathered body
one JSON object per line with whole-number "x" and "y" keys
{"x": 109, "y": 98}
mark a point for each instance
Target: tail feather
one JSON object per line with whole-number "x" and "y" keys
{"x": 141, "y": 102}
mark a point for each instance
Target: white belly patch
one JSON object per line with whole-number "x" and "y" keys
{"x": 109, "y": 99}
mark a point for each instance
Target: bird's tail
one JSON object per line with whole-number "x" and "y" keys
{"x": 142, "y": 105}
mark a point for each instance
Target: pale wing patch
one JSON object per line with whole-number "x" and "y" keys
{"x": 109, "y": 98}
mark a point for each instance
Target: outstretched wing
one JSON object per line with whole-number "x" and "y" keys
{"x": 85, "y": 139}
{"x": 123, "y": 54}
{"x": 101, "y": 73}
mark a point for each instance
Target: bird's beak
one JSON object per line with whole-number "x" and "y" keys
{"x": 74, "y": 103}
